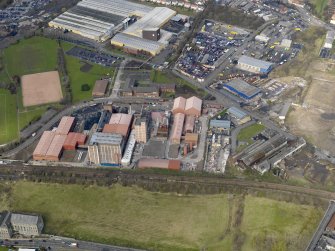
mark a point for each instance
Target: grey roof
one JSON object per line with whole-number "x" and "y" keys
{"x": 24, "y": 219}
{"x": 243, "y": 87}
{"x": 237, "y": 113}
{"x": 4, "y": 218}
{"x": 144, "y": 89}
{"x": 220, "y": 123}
{"x": 254, "y": 62}
{"x": 106, "y": 138}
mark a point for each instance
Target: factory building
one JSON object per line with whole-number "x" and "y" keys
{"x": 74, "y": 139}
{"x": 177, "y": 128}
{"x": 65, "y": 125}
{"x": 179, "y": 105}
{"x": 159, "y": 163}
{"x": 254, "y": 65}
{"x": 43, "y": 145}
{"x": 141, "y": 130}
{"x": 189, "y": 124}
{"x": 146, "y": 92}
{"x": 330, "y": 37}
{"x": 55, "y": 148}
{"x": 221, "y": 125}
{"x": 27, "y": 225}
{"x": 145, "y": 35}
{"x": 100, "y": 88}
{"x": 153, "y": 34}
{"x": 239, "y": 117}
{"x": 161, "y": 128}
{"x": 6, "y": 231}
{"x": 106, "y": 149}
{"x": 119, "y": 123}
{"x": 98, "y": 19}
{"x": 242, "y": 89}
{"x": 191, "y": 106}
{"x": 126, "y": 159}
{"x": 191, "y": 139}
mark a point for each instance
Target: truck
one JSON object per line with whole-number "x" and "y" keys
{"x": 73, "y": 245}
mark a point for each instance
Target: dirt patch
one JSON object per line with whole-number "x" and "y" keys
{"x": 41, "y": 88}
{"x": 86, "y": 67}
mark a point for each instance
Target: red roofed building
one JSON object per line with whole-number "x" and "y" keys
{"x": 179, "y": 105}
{"x": 189, "y": 124}
{"x": 43, "y": 145}
{"x": 56, "y": 148}
{"x": 177, "y": 128}
{"x": 159, "y": 163}
{"x": 65, "y": 125}
{"x": 193, "y": 106}
{"x": 73, "y": 140}
{"x": 119, "y": 124}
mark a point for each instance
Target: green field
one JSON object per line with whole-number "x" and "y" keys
{"x": 131, "y": 216}
{"x": 8, "y": 117}
{"x": 318, "y": 7}
{"x": 78, "y": 77}
{"x": 247, "y": 133}
{"x": 36, "y": 54}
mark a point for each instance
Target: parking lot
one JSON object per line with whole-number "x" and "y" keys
{"x": 94, "y": 57}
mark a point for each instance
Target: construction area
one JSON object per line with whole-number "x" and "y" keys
{"x": 41, "y": 88}
{"x": 315, "y": 119}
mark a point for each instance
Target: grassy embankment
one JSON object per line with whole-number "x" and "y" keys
{"x": 134, "y": 217}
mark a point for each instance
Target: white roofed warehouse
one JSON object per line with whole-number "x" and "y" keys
{"x": 254, "y": 65}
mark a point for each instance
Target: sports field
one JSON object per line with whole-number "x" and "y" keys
{"x": 8, "y": 119}
{"x": 131, "y": 216}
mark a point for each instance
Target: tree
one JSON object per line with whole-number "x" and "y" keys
{"x": 85, "y": 87}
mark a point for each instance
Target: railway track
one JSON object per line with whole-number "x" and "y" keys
{"x": 50, "y": 174}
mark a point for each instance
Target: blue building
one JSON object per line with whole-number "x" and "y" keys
{"x": 242, "y": 89}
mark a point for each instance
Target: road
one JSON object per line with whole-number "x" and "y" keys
{"x": 322, "y": 226}
{"x": 62, "y": 243}
{"x": 117, "y": 83}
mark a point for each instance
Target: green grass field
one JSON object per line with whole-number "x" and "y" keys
{"x": 28, "y": 56}
{"x": 8, "y": 117}
{"x": 247, "y": 133}
{"x": 319, "y": 7}
{"x": 131, "y": 216}
{"x": 78, "y": 77}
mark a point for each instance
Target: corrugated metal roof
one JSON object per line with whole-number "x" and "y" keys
{"x": 225, "y": 124}
{"x": 56, "y": 146}
{"x": 106, "y": 138}
{"x": 255, "y": 62}
{"x": 65, "y": 125}
{"x": 236, "y": 112}
{"x": 243, "y": 87}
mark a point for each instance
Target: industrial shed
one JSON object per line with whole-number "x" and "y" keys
{"x": 136, "y": 45}
{"x": 179, "y": 105}
{"x": 193, "y": 106}
{"x": 159, "y": 163}
{"x": 100, "y": 88}
{"x": 242, "y": 89}
{"x": 119, "y": 123}
{"x": 73, "y": 140}
{"x": 177, "y": 128}
{"x": 191, "y": 139}
{"x": 56, "y": 148}
{"x": 189, "y": 124}
{"x": 43, "y": 145}
{"x": 65, "y": 125}
{"x": 254, "y": 65}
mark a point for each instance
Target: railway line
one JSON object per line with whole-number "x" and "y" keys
{"x": 137, "y": 177}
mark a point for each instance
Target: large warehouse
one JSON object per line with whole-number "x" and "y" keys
{"x": 137, "y": 39}
{"x": 98, "y": 19}
{"x": 254, "y": 65}
{"x": 190, "y": 106}
{"x": 119, "y": 123}
{"x": 241, "y": 88}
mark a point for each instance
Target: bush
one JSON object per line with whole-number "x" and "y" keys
{"x": 85, "y": 87}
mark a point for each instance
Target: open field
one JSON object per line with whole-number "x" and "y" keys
{"x": 8, "y": 119}
{"x": 318, "y": 7}
{"x": 315, "y": 120}
{"x": 36, "y": 54}
{"x": 132, "y": 216}
{"x": 41, "y": 88}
